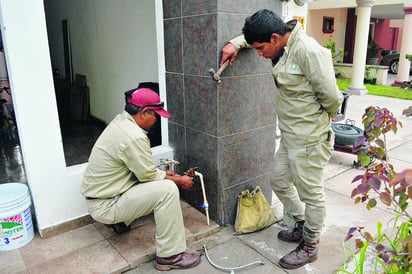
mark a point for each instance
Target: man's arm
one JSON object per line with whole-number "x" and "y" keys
{"x": 319, "y": 70}
{"x": 184, "y": 182}
{"x": 231, "y": 49}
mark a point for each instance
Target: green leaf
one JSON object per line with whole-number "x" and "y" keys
{"x": 380, "y": 143}
{"x": 365, "y": 160}
{"x": 371, "y": 204}
{"x": 381, "y": 152}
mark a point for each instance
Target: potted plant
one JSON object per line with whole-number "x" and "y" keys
{"x": 336, "y": 54}
{"x": 391, "y": 249}
{"x": 372, "y": 55}
{"x": 407, "y": 84}
{"x": 369, "y": 79}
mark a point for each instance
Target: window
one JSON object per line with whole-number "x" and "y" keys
{"x": 328, "y": 24}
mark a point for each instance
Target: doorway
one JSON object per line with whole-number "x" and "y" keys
{"x": 11, "y": 161}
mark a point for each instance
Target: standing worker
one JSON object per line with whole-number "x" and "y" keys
{"x": 306, "y": 100}
{"x": 122, "y": 183}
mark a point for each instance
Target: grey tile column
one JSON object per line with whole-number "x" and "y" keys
{"x": 227, "y": 130}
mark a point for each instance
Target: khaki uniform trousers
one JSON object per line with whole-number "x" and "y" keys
{"x": 160, "y": 197}
{"x": 297, "y": 180}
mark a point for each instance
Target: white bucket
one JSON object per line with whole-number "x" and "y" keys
{"x": 16, "y": 226}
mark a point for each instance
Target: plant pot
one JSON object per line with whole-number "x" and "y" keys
{"x": 370, "y": 81}
{"x": 372, "y": 61}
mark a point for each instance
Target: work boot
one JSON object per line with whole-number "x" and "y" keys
{"x": 303, "y": 254}
{"x": 120, "y": 228}
{"x": 180, "y": 261}
{"x": 294, "y": 235}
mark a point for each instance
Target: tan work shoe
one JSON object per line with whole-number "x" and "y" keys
{"x": 179, "y": 261}
{"x": 303, "y": 254}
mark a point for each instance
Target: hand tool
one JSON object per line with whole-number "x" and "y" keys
{"x": 216, "y": 75}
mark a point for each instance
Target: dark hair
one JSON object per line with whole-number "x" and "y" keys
{"x": 260, "y": 26}
{"x": 132, "y": 109}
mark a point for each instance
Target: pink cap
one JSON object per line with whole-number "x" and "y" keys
{"x": 148, "y": 99}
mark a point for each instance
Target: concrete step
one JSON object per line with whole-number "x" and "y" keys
{"x": 95, "y": 248}
{"x": 138, "y": 246}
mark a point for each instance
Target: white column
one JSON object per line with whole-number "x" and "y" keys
{"x": 406, "y": 48}
{"x": 361, "y": 43}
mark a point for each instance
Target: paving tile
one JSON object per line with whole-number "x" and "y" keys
{"x": 341, "y": 214}
{"x": 136, "y": 246}
{"x": 339, "y": 163}
{"x": 402, "y": 152}
{"x": 342, "y": 183}
{"x": 11, "y": 262}
{"x": 100, "y": 257}
{"x": 196, "y": 224}
{"x": 232, "y": 253}
{"x": 40, "y": 251}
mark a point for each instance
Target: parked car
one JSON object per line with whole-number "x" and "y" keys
{"x": 392, "y": 61}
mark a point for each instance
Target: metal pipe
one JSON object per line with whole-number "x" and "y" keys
{"x": 229, "y": 269}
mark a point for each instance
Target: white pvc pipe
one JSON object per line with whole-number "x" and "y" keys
{"x": 205, "y": 204}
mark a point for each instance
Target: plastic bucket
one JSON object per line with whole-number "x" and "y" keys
{"x": 16, "y": 226}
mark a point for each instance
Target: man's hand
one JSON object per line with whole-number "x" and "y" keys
{"x": 405, "y": 177}
{"x": 228, "y": 52}
{"x": 184, "y": 182}
{"x": 171, "y": 173}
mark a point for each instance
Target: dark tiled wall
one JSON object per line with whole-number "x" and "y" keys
{"x": 227, "y": 130}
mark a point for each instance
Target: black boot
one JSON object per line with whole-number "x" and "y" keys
{"x": 294, "y": 235}
{"x": 303, "y": 254}
{"x": 120, "y": 228}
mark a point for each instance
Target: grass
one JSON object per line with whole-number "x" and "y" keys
{"x": 387, "y": 91}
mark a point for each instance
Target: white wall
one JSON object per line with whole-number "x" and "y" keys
{"x": 291, "y": 10}
{"x": 113, "y": 44}
{"x": 315, "y": 23}
{"x": 110, "y": 59}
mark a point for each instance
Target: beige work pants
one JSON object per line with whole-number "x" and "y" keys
{"x": 297, "y": 180}
{"x": 160, "y": 197}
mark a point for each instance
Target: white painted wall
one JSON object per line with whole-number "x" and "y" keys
{"x": 291, "y": 10}
{"x": 107, "y": 54}
{"x": 113, "y": 44}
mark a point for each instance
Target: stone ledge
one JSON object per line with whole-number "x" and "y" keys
{"x": 376, "y": 71}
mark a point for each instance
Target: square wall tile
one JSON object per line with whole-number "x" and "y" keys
{"x": 175, "y": 98}
{"x": 238, "y": 158}
{"x": 224, "y": 33}
{"x": 172, "y": 8}
{"x": 199, "y": 44}
{"x": 177, "y": 140}
{"x": 238, "y": 104}
{"x": 267, "y": 110}
{"x": 196, "y": 7}
{"x": 201, "y": 104}
{"x": 173, "y": 45}
{"x": 248, "y": 7}
{"x": 201, "y": 152}
{"x": 266, "y": 149}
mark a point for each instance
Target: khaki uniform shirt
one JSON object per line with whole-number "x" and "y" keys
{"x": 307, "y": 96}
{"x": 120, "y": 158}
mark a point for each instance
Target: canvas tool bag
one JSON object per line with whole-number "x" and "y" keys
{"x": 253, "y": 212}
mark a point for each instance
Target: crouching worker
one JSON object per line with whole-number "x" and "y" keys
{"x": 122, "y": 183}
